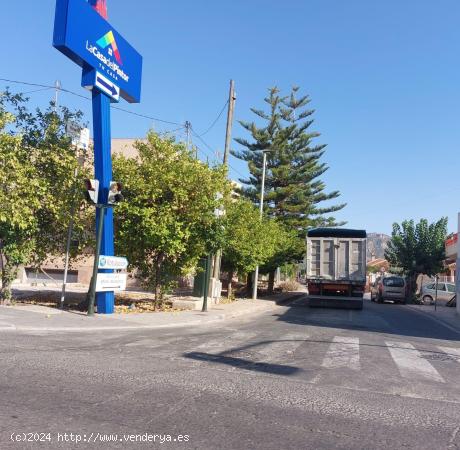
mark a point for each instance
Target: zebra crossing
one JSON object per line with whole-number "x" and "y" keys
{"x": 410, "y": 362}
{"x": 343, "y": 352}
{"x": 336, "y": 353}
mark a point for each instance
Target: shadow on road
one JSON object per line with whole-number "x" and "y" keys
{"x": 377, "y": 318}
{"x": 277, "y": 369}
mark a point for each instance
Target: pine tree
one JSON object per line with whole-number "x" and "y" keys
{"x": 294, "y": 191}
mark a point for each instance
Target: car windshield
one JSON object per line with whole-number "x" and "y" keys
{"x": 393, "y": 282}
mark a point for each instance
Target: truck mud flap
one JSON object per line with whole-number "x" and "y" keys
{"x": 318, "y": 302}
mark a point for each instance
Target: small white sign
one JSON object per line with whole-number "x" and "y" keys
{"x": 112, "y": 262}
{"x": 73, "y": 130}
{"x": 107, "y": 86}
{"x": 111, "y": 282}
{"x": 84, "y": 139}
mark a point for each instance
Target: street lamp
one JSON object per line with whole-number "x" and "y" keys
{"x": 262, "y": 189}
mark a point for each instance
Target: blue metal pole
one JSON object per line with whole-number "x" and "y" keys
{"x": 103, "y": 173}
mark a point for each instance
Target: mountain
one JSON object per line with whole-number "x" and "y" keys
{"x": 376, "y": 245}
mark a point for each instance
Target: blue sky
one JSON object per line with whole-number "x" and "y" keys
{"x": 383, "y": 77}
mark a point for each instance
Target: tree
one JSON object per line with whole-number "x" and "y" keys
{"x": 55, "y": 161}
{"x": 37, "y": 186}
{"x": 248, "y": 240}
{"x": 416, "y": 249}
{"x": 288, "y": 248}
{"x": 20, "y": 191}
{"x": 167, "y": 220}
{"x": 294, "y": 191}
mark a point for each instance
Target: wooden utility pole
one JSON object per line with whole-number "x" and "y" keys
{"x": 231, "y": 108}
{"x": 228, "y": 140}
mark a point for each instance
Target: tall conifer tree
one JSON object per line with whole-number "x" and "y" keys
{"x": 294, "y": 192}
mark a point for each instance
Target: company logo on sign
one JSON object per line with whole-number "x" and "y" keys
{"x": 109, "y": 39}
{"x": 112, "y": 68}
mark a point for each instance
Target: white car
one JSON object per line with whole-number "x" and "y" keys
{"x": 445, "y": 292}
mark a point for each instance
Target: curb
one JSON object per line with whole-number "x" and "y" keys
{"x": 436, "y": 319}
{"x": 200, "y": 321}
{"x": 290, "y": 298}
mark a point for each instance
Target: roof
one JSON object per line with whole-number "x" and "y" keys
{"x": 337, "y": 232}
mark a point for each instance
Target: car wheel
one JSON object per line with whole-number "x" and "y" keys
{"x": 427, "y": 300}
{"x": 379, "y": 299}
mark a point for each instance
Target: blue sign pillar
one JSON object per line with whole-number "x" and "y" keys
{"x": 112, "y": 68}
{"x": 103, "y": 173}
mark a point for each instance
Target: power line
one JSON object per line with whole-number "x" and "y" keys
{"x": 216, "y": 120}
{"x": 36, "y": 90}
{"x": 211, "y": 150}
{"x": 89, "y": 99}
{"x": 145, "y": 116}
{"x": 182, "y": 126}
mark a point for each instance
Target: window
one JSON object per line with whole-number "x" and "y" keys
{"x": 451, "y": 287}
{"x": 393, "y": 282}
{"x": 430, "y": 286}
{"x": 441, "y": 286}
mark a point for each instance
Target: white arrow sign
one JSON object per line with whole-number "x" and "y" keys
{"x": 111, "y": 282}
{"x": 112, "y": 262}
{"x": 107, "y": 86}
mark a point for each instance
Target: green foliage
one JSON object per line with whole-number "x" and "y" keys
{"x": 293, "y": 189}
{"x": 55, "y": 161}
{"x": 167, "y": 220}
{"x": 18, "y": 222}
{"x": 372, "y": 269}
{"x": 288, "y": 248}
{"x": 37, "y": 166}
{"x": 249, "y": 241}
{"x": 417, "y": 248}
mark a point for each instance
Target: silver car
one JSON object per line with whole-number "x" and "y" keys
{"x": 389, "y": 287}
{"x": 445, "y": 292}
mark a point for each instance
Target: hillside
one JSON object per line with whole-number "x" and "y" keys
{"x": 376, "y": 245}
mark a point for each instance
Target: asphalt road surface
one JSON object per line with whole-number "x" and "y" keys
{"x": 386, "y": 377}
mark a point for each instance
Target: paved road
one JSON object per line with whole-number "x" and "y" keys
{"x": 386, "y": 377}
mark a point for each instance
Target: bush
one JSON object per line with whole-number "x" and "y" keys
{"x": 289, "y": 286}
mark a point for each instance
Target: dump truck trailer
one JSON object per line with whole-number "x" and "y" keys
{"x": 336, "y": 267}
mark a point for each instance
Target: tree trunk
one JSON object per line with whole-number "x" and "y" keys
{"x": 229, "y": 287}
{"x": 271, "y": 282}
{"x": 158, "y": 265}
{"x": 8, "y": 274}
{"x": 249, "y": 284}
{"x": 412, "y": 285}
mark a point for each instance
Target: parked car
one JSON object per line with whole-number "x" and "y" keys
{"x": 445, "y": 292}
{"x": 389, "y": 287}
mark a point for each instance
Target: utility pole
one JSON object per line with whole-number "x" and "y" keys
{"x": 69, "y": 238}
{"x": 57, "y": 87}
{"x": 207, "y": 275}
{"x": 188, "y": 127}
{"x": 231, "y": 108}
{"x": 92, "y": 286}
{"x": 228, "y": 140}
{"x": 262, "y": 189}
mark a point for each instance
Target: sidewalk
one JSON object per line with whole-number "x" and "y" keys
{"x": 36, "y": 318}
{"x": 443, "y": 314}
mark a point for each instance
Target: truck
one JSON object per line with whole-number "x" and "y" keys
{"x": 336, "y": 267}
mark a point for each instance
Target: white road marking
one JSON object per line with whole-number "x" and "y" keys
{"x": 451, "y": 351}
{"x": 343, "y": 352}
{"x": 7, "y": 326}
{"x": 410, "y": 362}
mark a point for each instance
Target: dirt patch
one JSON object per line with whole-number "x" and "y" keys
{"x": 125, "y": 303}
